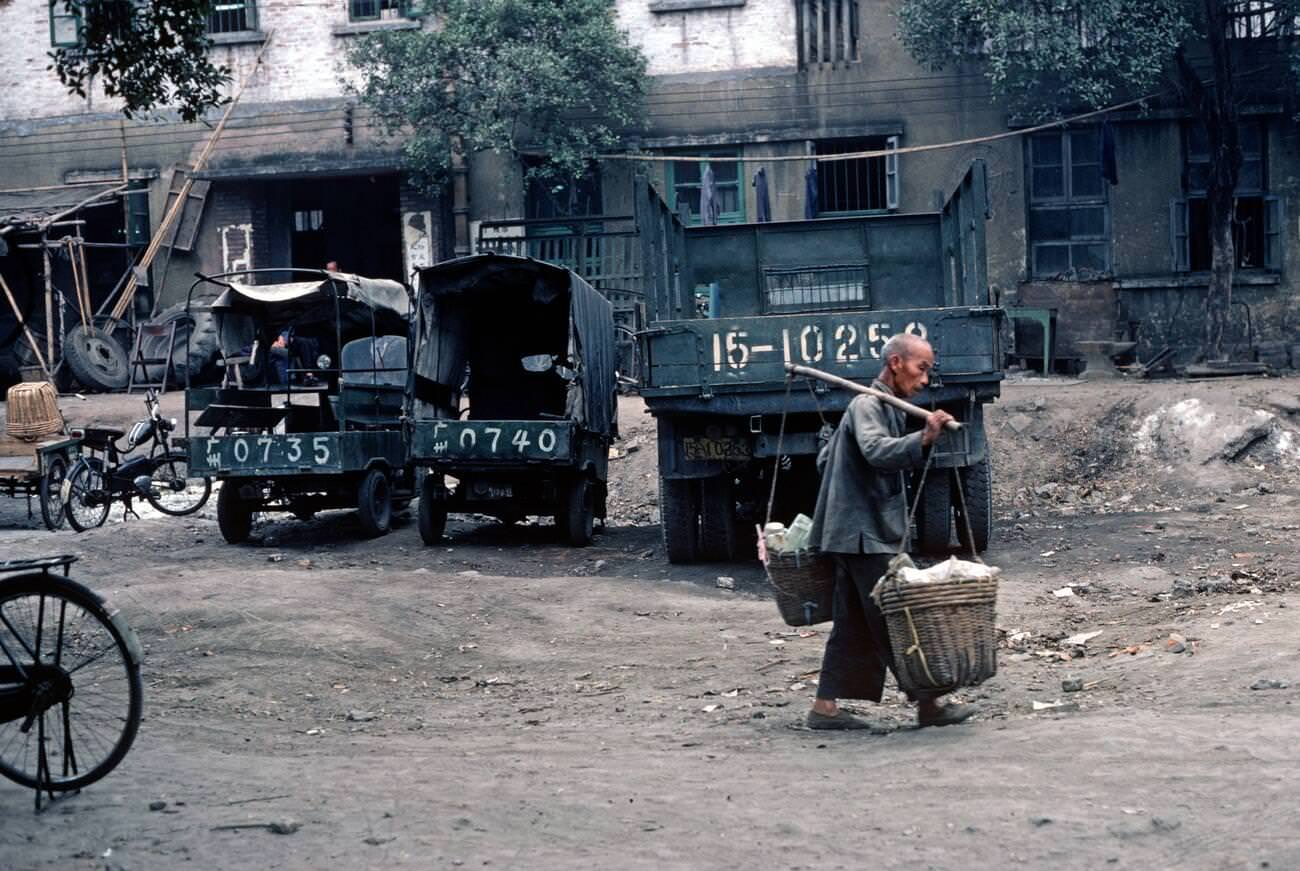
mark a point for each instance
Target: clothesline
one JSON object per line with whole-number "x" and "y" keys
{"x": 858, "y": 155}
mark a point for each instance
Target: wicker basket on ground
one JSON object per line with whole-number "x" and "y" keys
{"x": 32, "y": 410}
{"x": 943, "y": 633}
{"x": 803, "y": 583}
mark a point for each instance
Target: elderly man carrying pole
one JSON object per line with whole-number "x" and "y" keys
{"x": 861, "y": 521}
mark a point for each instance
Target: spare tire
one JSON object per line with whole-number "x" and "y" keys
{"x": 96, "y": 359}
{"x": 195, "y": 347}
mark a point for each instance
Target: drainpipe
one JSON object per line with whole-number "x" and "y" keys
{"x": 460, "y": 198}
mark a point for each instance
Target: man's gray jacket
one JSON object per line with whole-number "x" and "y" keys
{"x": 862, "y": 502}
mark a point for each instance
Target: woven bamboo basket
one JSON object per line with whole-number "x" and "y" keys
{"x": 32, "y": 410}
{"x": 943, "y": 634}
{"x": 803, "y": 583}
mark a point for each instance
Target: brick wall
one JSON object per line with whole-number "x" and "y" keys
{"x": 303, "y": 62}
{"x": 755, "y": 33}
{"x": 1085, "y": 311}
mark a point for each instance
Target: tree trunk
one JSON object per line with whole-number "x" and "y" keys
{"x": 1214, "y": 103}
{"x": 1223, "y": 260}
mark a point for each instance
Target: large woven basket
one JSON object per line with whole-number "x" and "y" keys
{"x": 943, "y": 633}
{"x": 32, "y": 410}
{"x": 803, "y": 583}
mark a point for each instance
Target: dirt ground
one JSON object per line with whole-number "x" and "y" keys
{"x": 504, "y": 701}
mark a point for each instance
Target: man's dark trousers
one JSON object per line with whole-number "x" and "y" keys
{"x": 858, "y": 651}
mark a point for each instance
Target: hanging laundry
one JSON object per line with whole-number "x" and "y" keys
{"x": 710, "y": 208}
{"x": 810, "y": 192}
{"x": 761, "y": 197}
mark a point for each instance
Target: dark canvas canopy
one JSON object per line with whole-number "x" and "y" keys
{"x": 487, "y": 313}
{"x": 365, "y": 306}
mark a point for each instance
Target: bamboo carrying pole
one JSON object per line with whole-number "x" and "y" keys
{"x": 128, "y": 292}
{"x": 31, "y": 340}
{"x": 914, "y": 410}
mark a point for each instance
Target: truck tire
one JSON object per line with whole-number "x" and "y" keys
{"x": 375, "y": 503}
{"x": 96, "y": 359}
{"x": 934, "y": 513}
{"x": 579, "y": 512}
{"x": 679, "y": 513}
{"x": 234, "y": 514}
{"x": 718, "y": 533}
{"x": 433, "y": 509}
{"x": 195, "y": 348}
{"x": 977, "y": 487}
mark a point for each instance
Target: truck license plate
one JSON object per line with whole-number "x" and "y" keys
{"x": 704, "y": 448}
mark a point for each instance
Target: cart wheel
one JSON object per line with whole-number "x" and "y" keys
{"x": 375, "y": 504}
{"x": 52, "y": 493}
{"x": 679, "y": 511}
{"x": 234, "y": 514}
{"x": 578, "y": 514}
{"x": 433, "y": 509}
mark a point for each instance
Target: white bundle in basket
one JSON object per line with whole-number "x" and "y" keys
{"x": 951, "y": 569}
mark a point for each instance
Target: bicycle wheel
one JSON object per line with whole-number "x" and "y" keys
{"x": 171, "y": 488}
{"x": 86, "y": 494}
{"x": 70, "y": 689}
{"x": 52, "y": 493}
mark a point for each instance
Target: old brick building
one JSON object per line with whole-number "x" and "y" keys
{"x": 297, "y": 178}
{"x": 300, "y": 177}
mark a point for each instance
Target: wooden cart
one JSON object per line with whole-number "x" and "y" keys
{"x": 37, "y": 468}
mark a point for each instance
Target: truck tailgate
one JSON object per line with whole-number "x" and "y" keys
{"x": 717, "y": 354}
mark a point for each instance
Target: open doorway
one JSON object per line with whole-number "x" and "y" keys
{"x": 354, "y": 221}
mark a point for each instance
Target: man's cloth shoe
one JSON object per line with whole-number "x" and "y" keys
{"x": 948, "y": 715}
{"x": 840, "y": 721}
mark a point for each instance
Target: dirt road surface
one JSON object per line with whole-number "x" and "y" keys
{"x": 503, "y": 701}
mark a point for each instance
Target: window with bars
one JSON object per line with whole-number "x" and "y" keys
{"x": 1258, "y": 19}
{"x": 557, "y": 198}
{"x": 827, "y": 31}
{"x": 1257, "y": 217}
{"x": 1069, "y": 216}
{"x": 377, "y": 10}
{"x": 308, "y": 220}
{"x": 686, "y": 180}
{"x": 65, "y": 24}
{"x": 232, "y": 16}
{"x": 860, "y": 184}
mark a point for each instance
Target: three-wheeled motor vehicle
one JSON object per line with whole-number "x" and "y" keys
{"x": 309, "y": 414}
{"x": 512, "y": 393}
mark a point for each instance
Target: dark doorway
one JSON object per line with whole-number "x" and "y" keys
{"x": 354, "y": 221}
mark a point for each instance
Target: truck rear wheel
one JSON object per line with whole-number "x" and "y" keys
{"x": 579, "y": 512}
{"x": 433, "y": 509}
{"x": 977, "y": 487}
{"x": 375, "y": 503}
{"x": 234, "y": 514}
{"x": 718, "y": 533}
{"x": 679, "y": 513}
{"x": 934, "y": 513}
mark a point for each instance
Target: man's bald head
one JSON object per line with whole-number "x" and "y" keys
{"x": 904, "y": 345}
{"x": 906, "y": 361}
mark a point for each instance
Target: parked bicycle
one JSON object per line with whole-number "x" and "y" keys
{"x": 162, "y": 476}
{"x": 70, "y": 688}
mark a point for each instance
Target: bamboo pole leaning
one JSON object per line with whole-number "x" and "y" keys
{"x": 128, "y": 292}
{"x": 22, "y": 322}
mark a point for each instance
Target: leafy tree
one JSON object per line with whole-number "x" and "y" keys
{"x": 550, "y": 77}
{"x": 1048, "y": 58}
{"x": 152, "y": 54}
